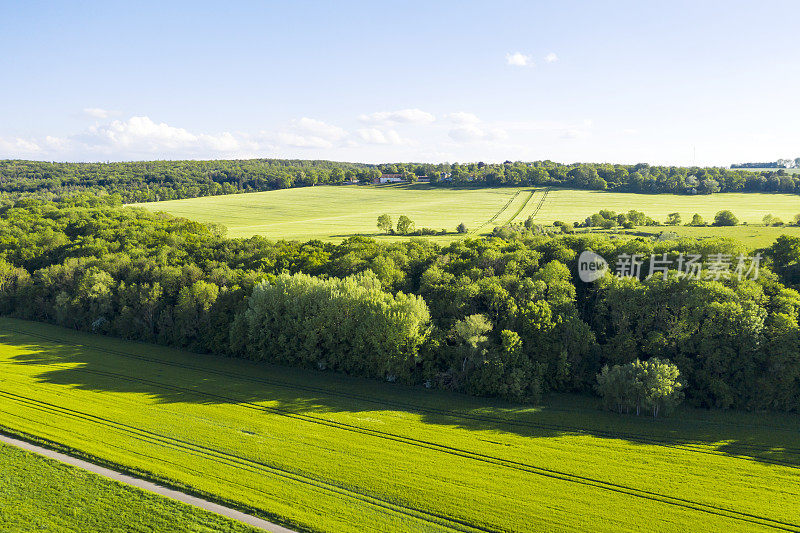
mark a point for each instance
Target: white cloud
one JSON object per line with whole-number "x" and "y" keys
{"x": 140, "y": 136}
{"x": 462, "y": 117}
{"x": 18, "y": 146}
{"x": 551, "y": 58}
{"x": 56, "y": 143}
{"x": 548, "y": 129}
{"x": 376, "y": 136}
{"x": 410, "y": 116}
{"x": 577, "y": 131}
{"x": 518, "y": 59}
{"x": 303, "y": 141}
{"x": 473, "y": 132}
{"x": 320, "y": 129}
{"x": 311, "y": 133}
{"x": 141, "y": 133}
{"x": 460, "y": 136}
{"x": 96, "y": 112}
{"x": 224, "y": 142}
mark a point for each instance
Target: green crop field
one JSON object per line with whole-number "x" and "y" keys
{"x": 337, "y": 212}
{"x": 40, "y": 494}
{"x": 330, "y": 453}
{"x": 574, "y": 205}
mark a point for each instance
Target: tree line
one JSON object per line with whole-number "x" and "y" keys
{"x": 406, "y": 226}
{"x": 147, "y": 181}
{"x": 502, "y": 317}
{"x": 150, "y": 181}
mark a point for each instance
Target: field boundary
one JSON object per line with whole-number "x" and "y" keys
{"x": 145, "y": 485}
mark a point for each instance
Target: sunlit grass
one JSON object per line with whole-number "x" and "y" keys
{"x": 336, "y": 212}
{"x": 330, "y": 453}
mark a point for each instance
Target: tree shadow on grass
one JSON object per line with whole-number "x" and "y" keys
{"x": 95, "y": 363}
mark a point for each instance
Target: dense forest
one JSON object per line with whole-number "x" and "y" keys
{"x": 501, "y": 317}
{"x": 151, "y": 181}
{"x": 166, "y": 180}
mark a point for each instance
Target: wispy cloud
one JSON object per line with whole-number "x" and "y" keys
{"x": 462, "y": 117}
{"x": 518, "y": 59}
{"x": 96, "y": 112}
{"x": 577, "y": 131}
{"x": 459, "y": 134}
{"x": 408, "y": 116}
{"x": 142, "y": 135}
{"x": 376, "y": 136}
{"x": 310, "y": 133}
{"x": 474, "y": 132}
{"x": 319, "y": 128}
{"x": 551, "y": 58}
{"x": 19, "y": 146}
{"x": 469, "y": 128}
{"x": 297, "y": 140}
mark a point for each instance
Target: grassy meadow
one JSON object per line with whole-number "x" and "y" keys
{"x": 323, "y": 452}
{"x": 40, "y": 494}
{"x": 336, "y": 212}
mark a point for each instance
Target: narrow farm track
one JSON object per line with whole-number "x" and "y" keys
{"x": 497, "y": 214}
{"x": 522, "y": 207}
{"x": 497, "y": 461}
{"x": 540, "y": 204}
{"x": 457, "y": 525}
{"x": 681, "y": 445}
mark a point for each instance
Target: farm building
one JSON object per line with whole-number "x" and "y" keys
{"x": 389, "y": 178}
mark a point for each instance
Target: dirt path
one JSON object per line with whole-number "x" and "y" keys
{"x": 148, "y": 486}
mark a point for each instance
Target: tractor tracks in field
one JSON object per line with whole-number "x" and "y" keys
{"x": 451, "y": 450}
{"x": 540, "y": 204}
{"x": 262, "y": 467}
{"x": 243, "y": 463}
{"x": 522, "y": 207}
{"x": 497, "y": 214}
{"x": 684, "y": 445}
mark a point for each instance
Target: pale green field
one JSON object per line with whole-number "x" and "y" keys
{"x": 573, "y": 205}
{"x": 334, "y": 213}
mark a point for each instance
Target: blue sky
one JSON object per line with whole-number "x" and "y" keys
{"x": 401, "y": 81}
